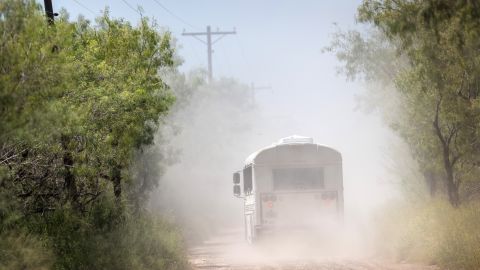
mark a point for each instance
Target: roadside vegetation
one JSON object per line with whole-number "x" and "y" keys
{"x": 430, "y": 232}
{"x": 80, "y": 104}
{"x": 420, "y": 61}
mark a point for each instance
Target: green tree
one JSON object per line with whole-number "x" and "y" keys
{"x": 79, "y": 103}
{"x": 94, "y": 102}
{"x": 440, "y": 38}
{"x": 437, "y": 83}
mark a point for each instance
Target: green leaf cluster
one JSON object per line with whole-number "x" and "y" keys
{"x": 79, "y": 103}
{"x": 424, "y": 58}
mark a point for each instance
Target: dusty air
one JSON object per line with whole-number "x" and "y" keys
{"x": 191, "y": 135}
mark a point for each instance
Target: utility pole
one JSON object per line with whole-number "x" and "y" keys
{"x": 209, "y": 43}
{"x": 254, "y": 88}
{"x": 49, "y": 11}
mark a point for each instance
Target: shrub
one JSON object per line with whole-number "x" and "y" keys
{"x": 107, "y": 237}
{"x": 20, "y": 251}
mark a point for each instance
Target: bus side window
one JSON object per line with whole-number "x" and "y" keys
{"x": 247, "y": 180}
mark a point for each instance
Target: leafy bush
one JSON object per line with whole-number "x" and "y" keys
{"x": 19, "y": 251}
{"x": 109, "y": 237}
{"x": 79, "y": 102}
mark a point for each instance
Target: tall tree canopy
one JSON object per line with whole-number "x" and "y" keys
{"x": 434, "y": 68}
{"x": 79, "y": 103}
{"x": 72, "y": 117}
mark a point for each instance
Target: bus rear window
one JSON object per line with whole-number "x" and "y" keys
{"x": 298, "y": 178}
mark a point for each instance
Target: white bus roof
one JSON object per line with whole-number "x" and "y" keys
{"x": 290, "y": 140}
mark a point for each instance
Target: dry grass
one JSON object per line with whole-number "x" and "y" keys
{"x": 430, "y": 232}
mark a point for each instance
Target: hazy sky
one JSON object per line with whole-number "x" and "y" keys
{"x": 275, "y": 38}
{"x": 278, "y": 43}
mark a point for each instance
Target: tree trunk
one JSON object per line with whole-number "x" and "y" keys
{"x": 448, "y": 162}
{"x": 452, "y": 188}
{"x": 69, "y": 179}
{"x": 117, "y": 181}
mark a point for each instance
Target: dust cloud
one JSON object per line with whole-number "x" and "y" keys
{"x": 216, "y": 126}
{"x": 208, "y": 135}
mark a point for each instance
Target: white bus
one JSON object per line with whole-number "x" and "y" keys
{"x": 293, "y": 184}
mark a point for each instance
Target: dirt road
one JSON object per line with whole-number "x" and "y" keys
{"x": 229, "y": 251}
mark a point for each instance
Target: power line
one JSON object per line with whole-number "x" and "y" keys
{"x": 131, "y": 7}
{"x": 85, "y": 7}
{"x": 174, "y": 15}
